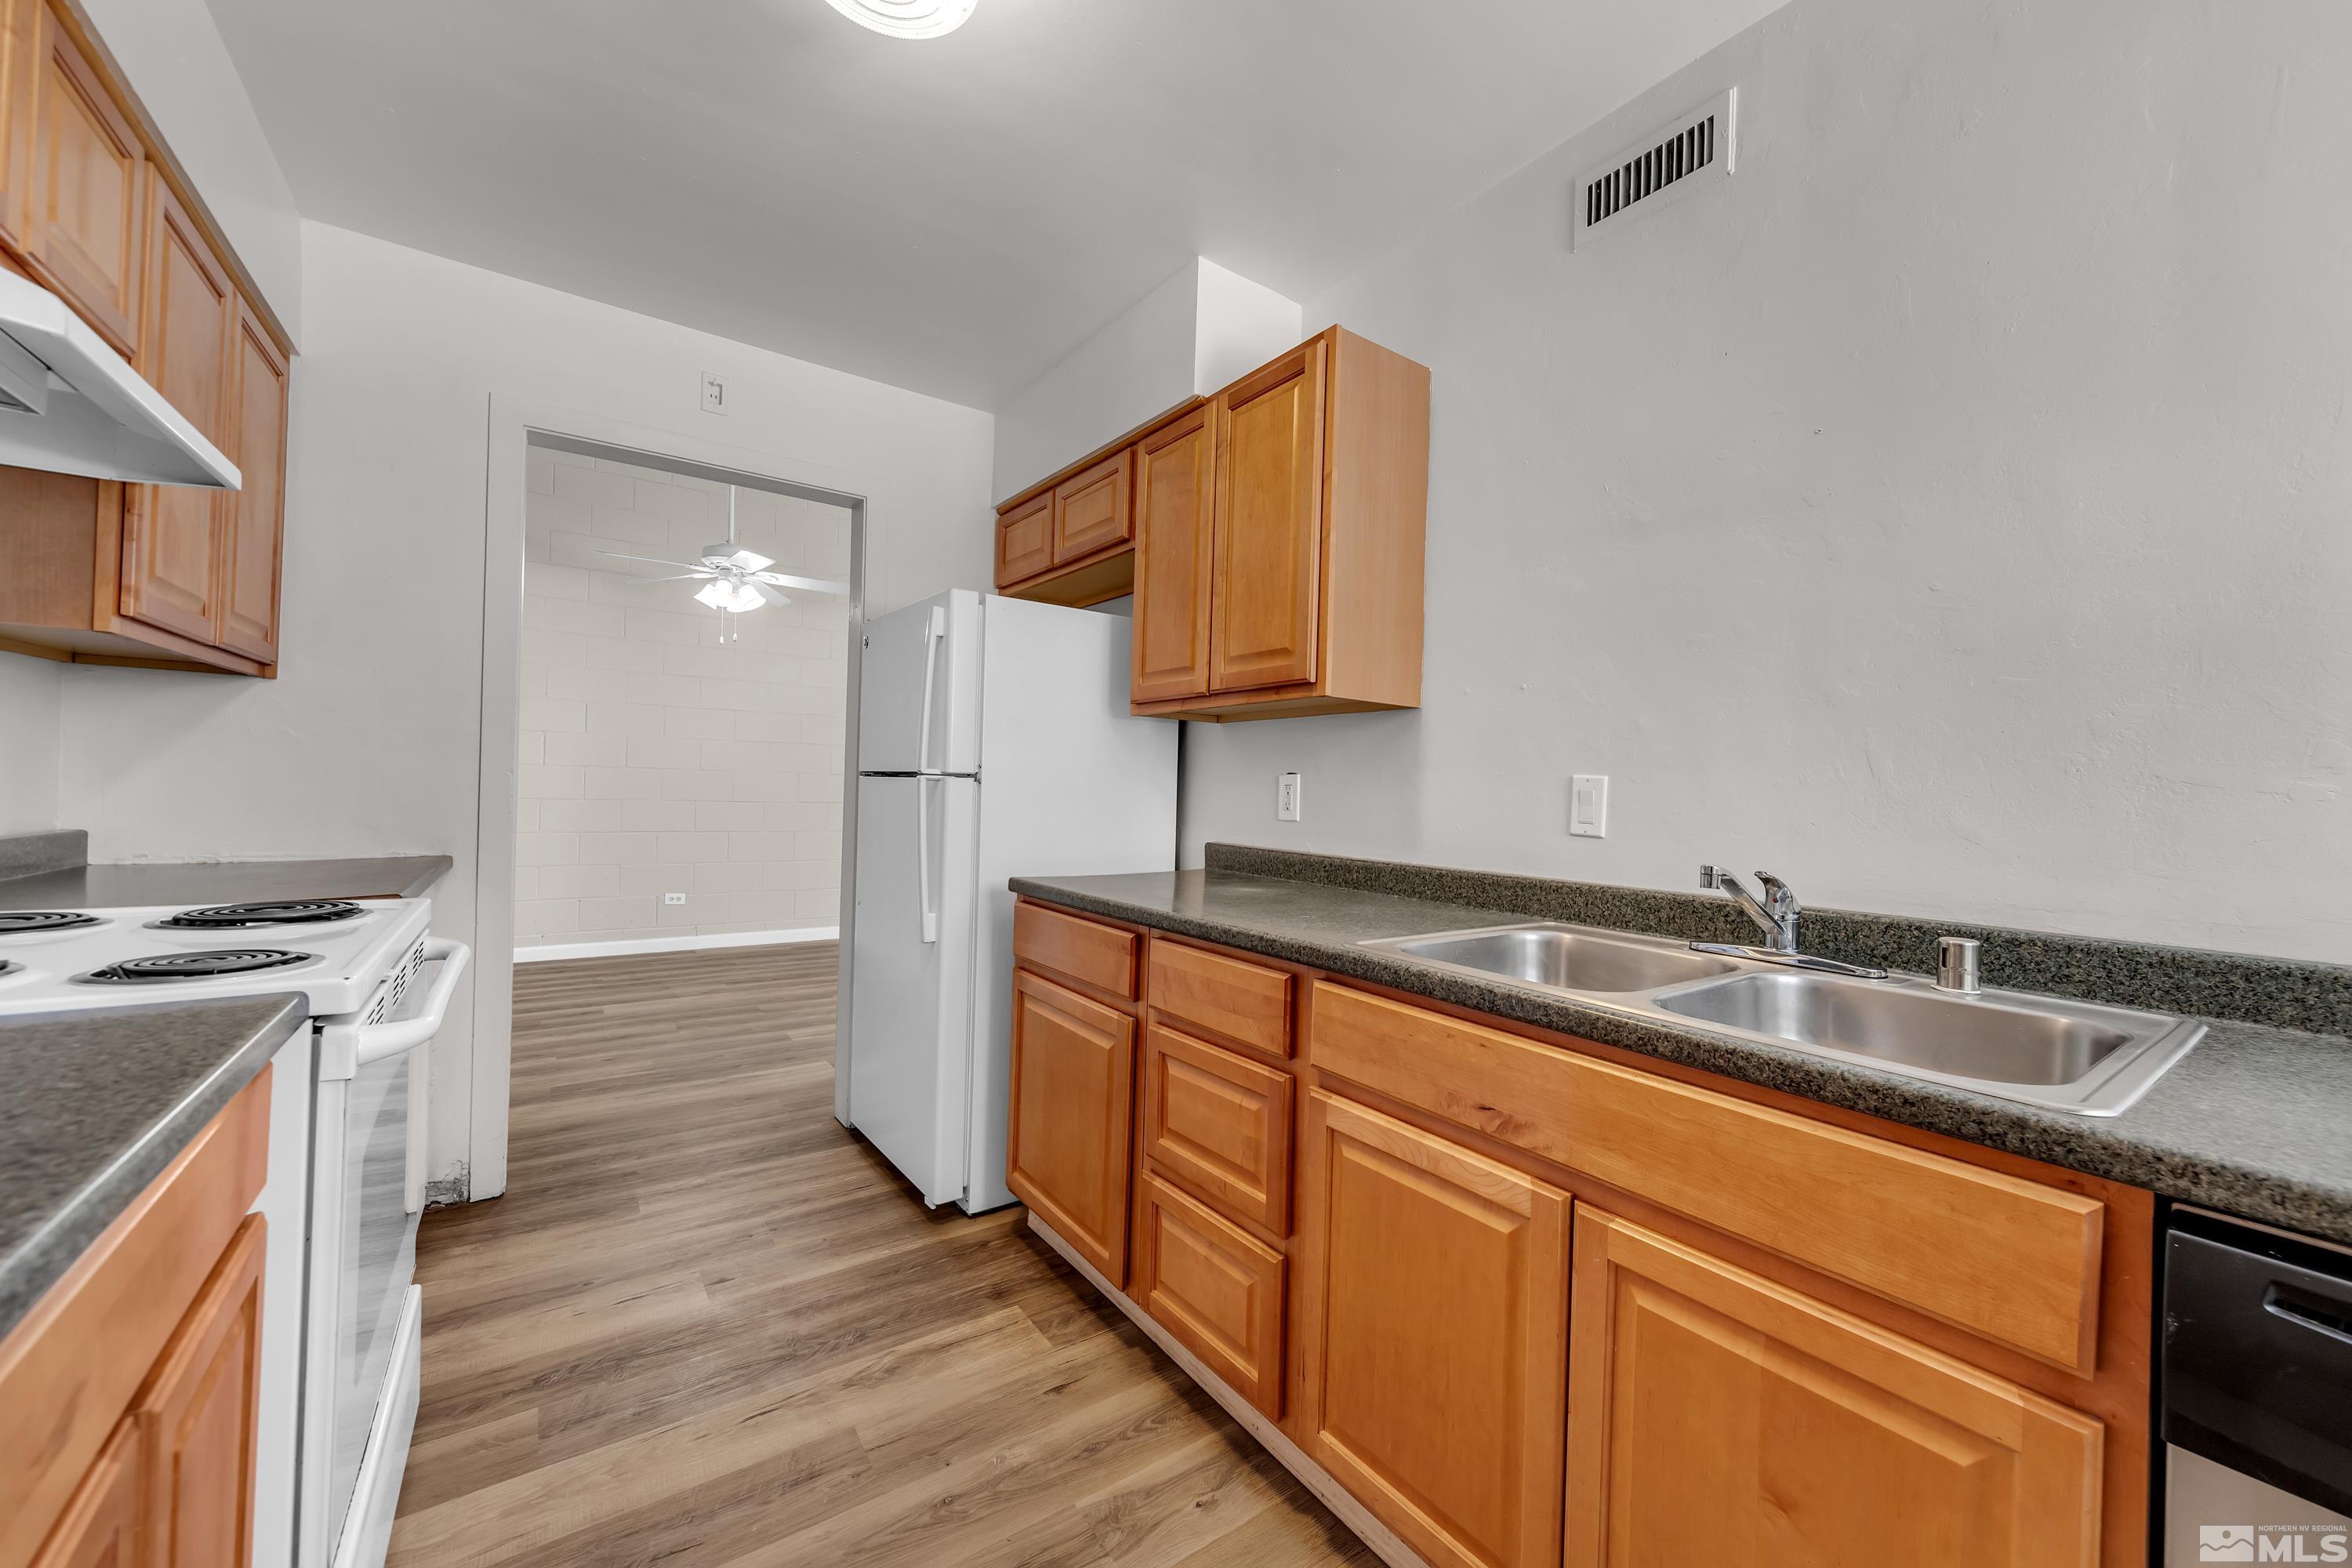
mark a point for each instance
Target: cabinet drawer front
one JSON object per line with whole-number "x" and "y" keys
{"x": 1216, "y": 1287}
{"x": 1245, "y": 1002}
{"x": 1086, "y": 951}
{"x": 1090, "y": 509}
{"x": 1434, "y": 1378}
{"x": 1219, "y": 1124}
{"x": 1025, "y": 541}
{"x": 2000, "y": 1256}
{"x": 1713, "y": 1410}
{"x": 1068, "y": 1143}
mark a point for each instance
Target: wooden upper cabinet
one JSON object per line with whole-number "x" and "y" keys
{"x": 87, "y": 193}
{"x": 173, "y": 543}
{"x": 1434, "y": 1328}
{"x": 1069, "y": 1145}
{"x": 1720, "y": 1417}
{"x": 198, "y": 1420}
{"x": 1091, "y": 510}
{"x": 1024, "y": 540}
{"x": 1266, "y": 584}
{"x": 20, "y": 42}
{"x": 253, "y": 520}
{"x": 1175, "y": 508}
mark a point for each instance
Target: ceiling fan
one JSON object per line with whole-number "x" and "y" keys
{"x": 733, "y": 579}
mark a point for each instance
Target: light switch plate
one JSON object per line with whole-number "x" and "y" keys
{"x": 1587, "y": 805}
{"x": 1285, "y": 798}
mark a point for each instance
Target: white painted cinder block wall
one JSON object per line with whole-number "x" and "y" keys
{"x": 1948, "y": 513}
{"x": 367, "y": 743}
{"x": 656, "y": 759}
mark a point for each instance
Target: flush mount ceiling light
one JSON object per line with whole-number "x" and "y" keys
{"x": 907, "y": 18}
{"x": 733, "y": 579}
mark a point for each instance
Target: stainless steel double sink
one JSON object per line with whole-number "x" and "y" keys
{"x": 2076, "y": 1056}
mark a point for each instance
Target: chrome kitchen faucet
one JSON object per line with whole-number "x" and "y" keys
{"x": 1777, "y": 912}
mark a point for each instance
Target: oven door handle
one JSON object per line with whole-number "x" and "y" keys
{"x": 373, "y": 1042}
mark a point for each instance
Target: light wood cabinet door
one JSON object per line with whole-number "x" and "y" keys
{"x": 1068, "y": 1149}
{"x": 20, "y": 42}
{"x": 1091, "y": 510}
{"x": 1433, "y": 1372}
{"x": 253, "y": 520}
{"x": 171, "y": 545}
{"x": 198, "y": 1419}
{"x": 1719, "y": 1417}
{"x": 1267, "y": 586}
{"x": 1219, "y": 1125}
{"x": 1175, "y": 511}
{"x": 1216, "y": 1287}
{"x": 87, "y": 190}
{"x": 1024, "y": 540}
{"x": 100, "y": 1528}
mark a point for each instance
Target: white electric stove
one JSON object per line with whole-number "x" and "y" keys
{"x": 346, "y": 1170}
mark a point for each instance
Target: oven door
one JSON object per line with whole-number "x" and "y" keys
{"x": 366, "y": 1198}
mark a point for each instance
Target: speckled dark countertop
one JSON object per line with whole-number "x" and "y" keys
{"x": 140, "y": 883}
{"x": 94, "y": 1104}
{"x": 2256, "y": 1121}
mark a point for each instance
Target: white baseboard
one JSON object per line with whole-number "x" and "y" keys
{"x": 622, "y": 945}
{"x": 1386, "y": 1544}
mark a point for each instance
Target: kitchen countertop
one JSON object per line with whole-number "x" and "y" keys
{"x": 93, "y": 1105}
{"x": 2256, "y": 1121}
{"x": 142, "y": 883}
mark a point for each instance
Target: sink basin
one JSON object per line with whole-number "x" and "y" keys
{"x": 1926, "y": 1029}
{"x": 1567, "y": 958}
{"x": 2081, "y": 1057}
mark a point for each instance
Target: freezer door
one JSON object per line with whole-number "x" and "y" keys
{"x": 918, "y": 688}
{"x": 911, "y": 1005}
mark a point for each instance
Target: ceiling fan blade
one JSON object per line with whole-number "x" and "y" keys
{"x": 749, "y": 560}
{"x": 806, "y": 585}
{"x": 767, "y": 593}
{"x": 657, "y": 559}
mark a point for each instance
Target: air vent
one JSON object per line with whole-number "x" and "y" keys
{"x": 1693, "y": 151}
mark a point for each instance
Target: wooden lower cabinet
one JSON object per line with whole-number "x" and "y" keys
{"x": 198, "y": 1419}
{"x": 1434, "y": 1337}
{"x": 1219, "y": 1123}
{"x": 1216, "y": 1287}
{"x": 1717, "y": 1417}
{"x": 1070, "y": 1139}
{"x": 100, "y": 1528}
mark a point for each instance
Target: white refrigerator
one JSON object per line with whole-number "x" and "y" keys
{"x": 993, "y": 741}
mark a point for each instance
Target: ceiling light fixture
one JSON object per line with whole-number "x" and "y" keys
{"x": 733, "y": 579}
{"x": 907, "y": 18}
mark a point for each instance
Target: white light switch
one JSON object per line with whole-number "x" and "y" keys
{"x": 1285, "y": 798}
{"x": 1587, "y": 805}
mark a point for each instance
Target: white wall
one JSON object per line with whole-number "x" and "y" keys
{"x": 177, "y": 63}
{"x": 1949, "y": 513}
{"x": 31, "y": 712}
{"x": 655, "y": 757}
{"x": 1200, "y": 329}
{"x": 367, "y": 741}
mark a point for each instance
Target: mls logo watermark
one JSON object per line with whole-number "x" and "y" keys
{"x": 2274, "y": 1544}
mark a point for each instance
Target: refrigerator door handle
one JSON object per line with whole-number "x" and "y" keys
{"x": 935, "y": 630}
{"x": 930, "y": 916}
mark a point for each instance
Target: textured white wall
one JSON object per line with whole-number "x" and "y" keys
{"x": 1948, "y": 513}
{"x": 654, "y": 758}
{"x": 179, "y": 65}
{"x": 31, "y": 714}
{"x": 368, "y": 742}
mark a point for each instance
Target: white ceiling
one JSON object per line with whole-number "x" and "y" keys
{"x": 950, "y": 216}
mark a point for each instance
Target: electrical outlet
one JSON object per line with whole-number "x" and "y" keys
{"x": 673, "y": 898}
{"x": 1587, "y": 805}
{"x": 714, "y": 393}
{"x": 1285, "y": 798}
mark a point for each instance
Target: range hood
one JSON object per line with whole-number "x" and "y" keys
{"x": 69, "y": 403}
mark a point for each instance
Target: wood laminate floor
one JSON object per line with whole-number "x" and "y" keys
{"x": 707, "y": 1326}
